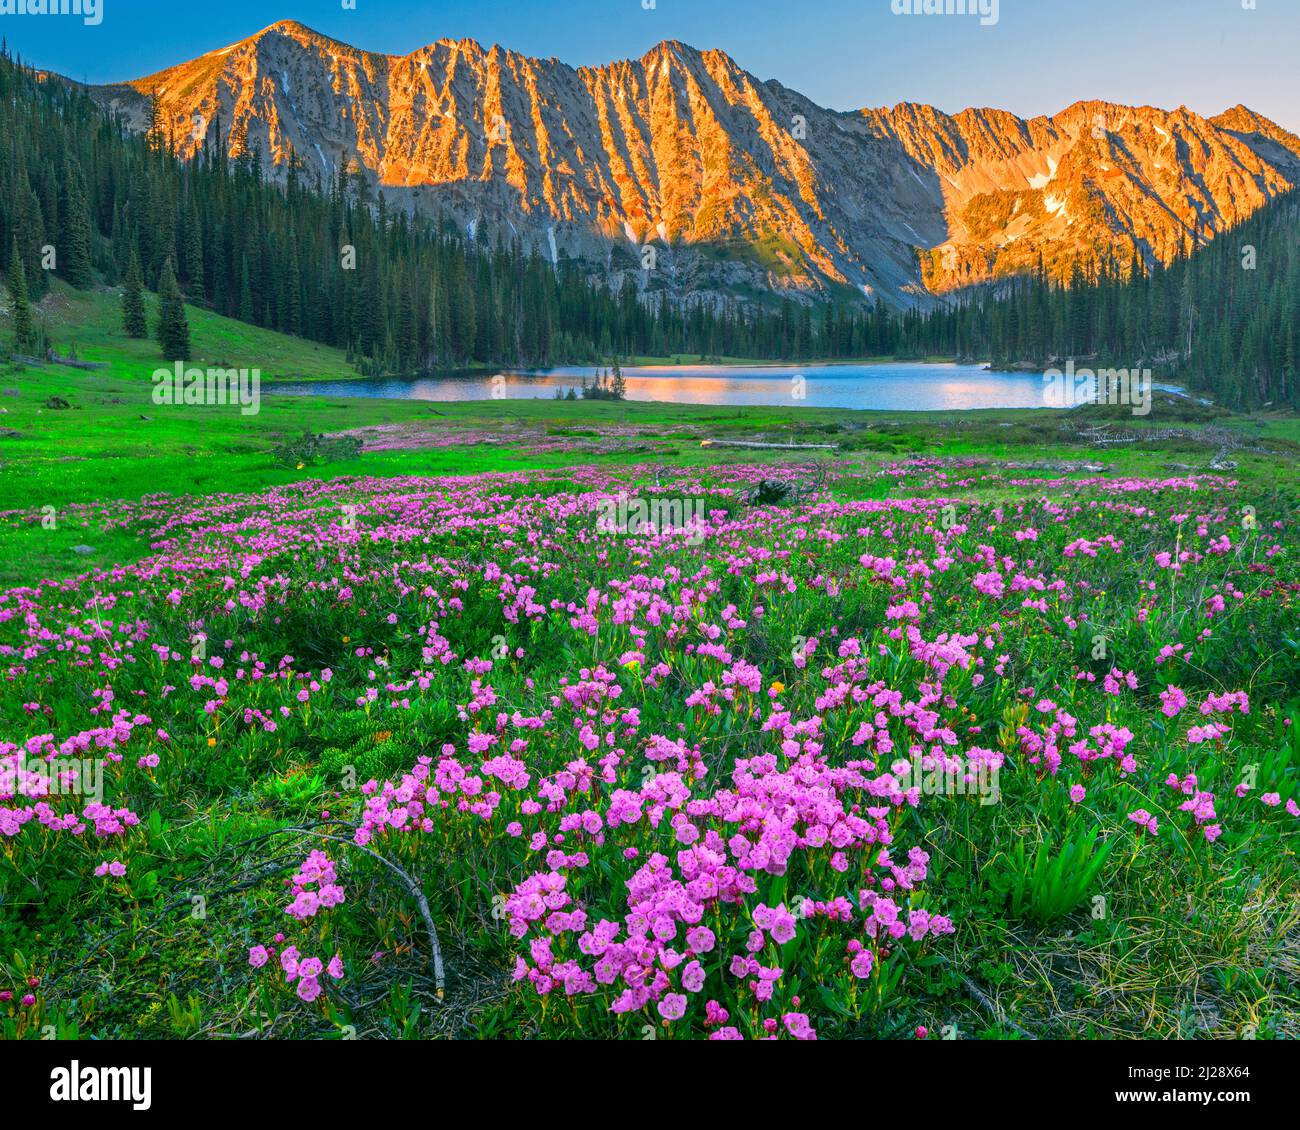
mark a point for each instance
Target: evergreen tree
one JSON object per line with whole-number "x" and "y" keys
{"x": 133, "y": 309}
{"x": 74, "y": 250}
{"x": 245, "y": 313}
{"x": 24, "y": 332}
{"x": 173, "y": 330}
{"x": 193, "y": 250}
{"x": 292, "y": 322}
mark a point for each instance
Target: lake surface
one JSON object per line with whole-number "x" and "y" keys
{"x": 915, "y": 387}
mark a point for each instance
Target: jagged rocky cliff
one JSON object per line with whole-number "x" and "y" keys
{"x": 740, "y": 186}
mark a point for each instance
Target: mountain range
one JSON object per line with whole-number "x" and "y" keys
{"x": 682, "y": 171}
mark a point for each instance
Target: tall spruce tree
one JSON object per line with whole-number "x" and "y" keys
{"x": 74, "y": 248}
{"x": 193, "y": 252}
{"x": 245, "y": 308}
{"x": 133, "y": 311}
{"x": 24, "y": 331}
{"x": 173, "y": 329}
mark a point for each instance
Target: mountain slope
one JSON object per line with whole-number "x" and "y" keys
{"x": 1094, "y": 177}
{"x": 734, "y": 182}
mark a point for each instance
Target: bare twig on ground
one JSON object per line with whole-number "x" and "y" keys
{"x": 412, "y": 888}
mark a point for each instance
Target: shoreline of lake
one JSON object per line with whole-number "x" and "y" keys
{"x": 894, "y": 386}
{"x": 899, "y": 386}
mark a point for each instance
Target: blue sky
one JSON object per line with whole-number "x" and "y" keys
{"x": 1040, "y": 56}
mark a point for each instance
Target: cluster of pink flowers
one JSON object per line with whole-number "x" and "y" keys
{"x": 317, "y": 870}
{"x": 674, "y": 829}
{"x": 1145, "y": 821}
{"x": 305, "y": 971}
{"x": 298, "y": 969}
{"x": 780, "y": 813}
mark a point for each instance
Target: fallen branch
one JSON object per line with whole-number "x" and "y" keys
{"x": 412, "y": 888}
{"x": 73, "y": 363}
{"x": 1068, "y": 465}
{"x": 993, "y": 1008}
{"x": 771, "y": 446}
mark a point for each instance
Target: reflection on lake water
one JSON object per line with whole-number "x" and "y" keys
{"x": 915, "y": 387}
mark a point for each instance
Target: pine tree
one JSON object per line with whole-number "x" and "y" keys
{"x": 193, "y": 250}
{"x": 245, "y": 292}
{"x": 133, "y": 311}
{"x": 293, "y": 292}
{"x": 29, "y": 225}
{"x": 24, "y": 332}
{"x": 75, "y": 243}
{"x": 173, "y": 329}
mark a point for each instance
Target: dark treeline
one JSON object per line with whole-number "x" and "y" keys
{"x": 402, "y": 294}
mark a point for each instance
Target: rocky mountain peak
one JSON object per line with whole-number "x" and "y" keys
{"x": 741, "y": 186}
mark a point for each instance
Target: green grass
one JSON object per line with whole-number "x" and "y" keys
{"x": 114, "y": 442}
{"x": 91, "y": 322}
{"x": 1190, "y": 942}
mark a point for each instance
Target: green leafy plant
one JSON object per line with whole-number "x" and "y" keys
{"x": 1048, "y": 885}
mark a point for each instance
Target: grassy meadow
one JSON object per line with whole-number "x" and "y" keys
{"x": 981, "y": 726}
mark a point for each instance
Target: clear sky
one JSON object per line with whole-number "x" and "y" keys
{"x": 1038, "y": 57}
